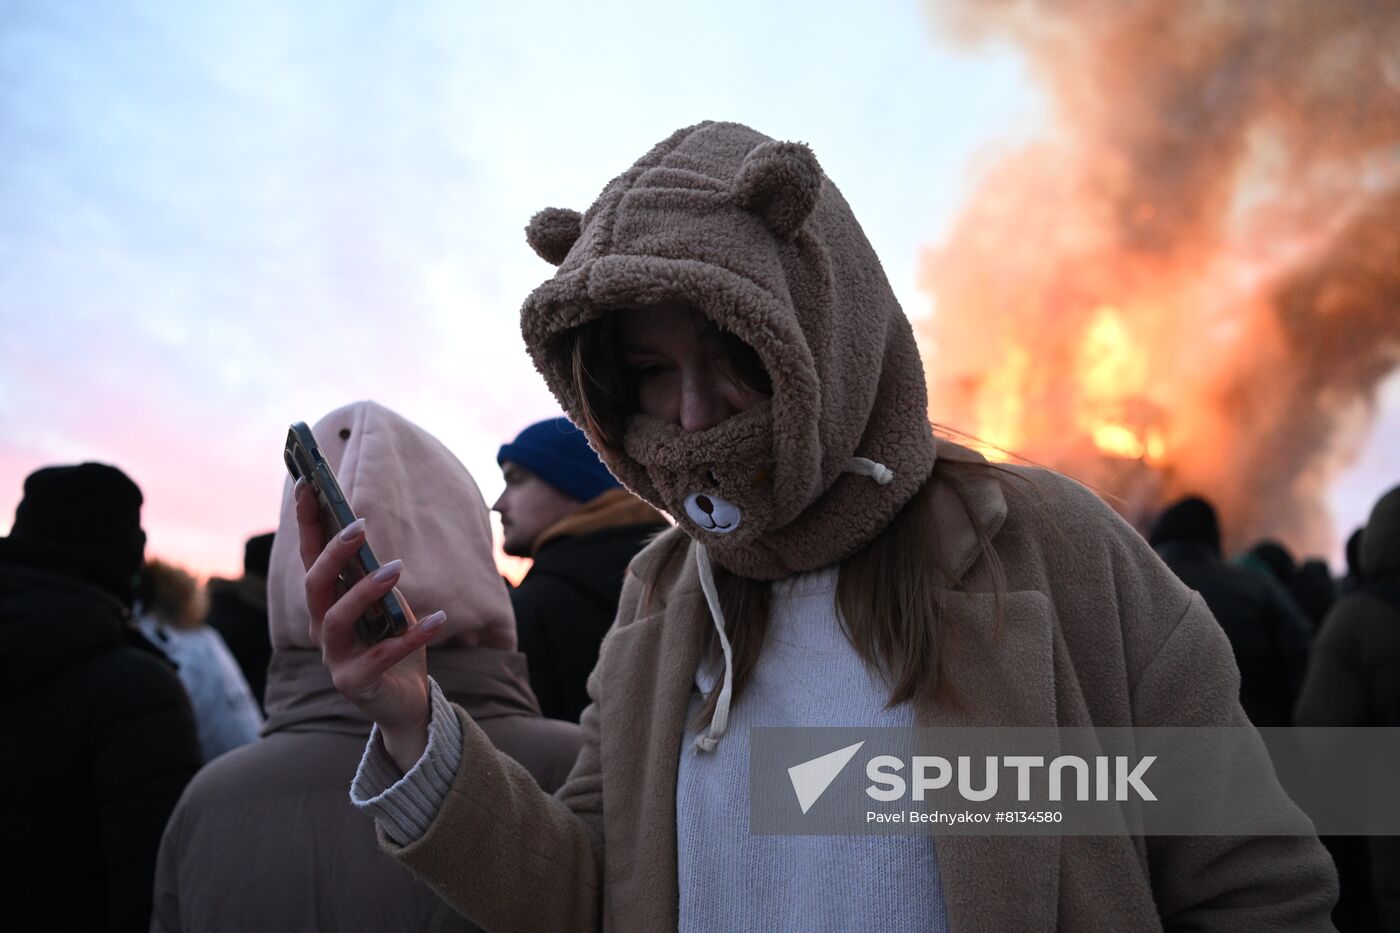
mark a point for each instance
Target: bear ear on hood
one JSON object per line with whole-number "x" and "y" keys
{"x": 552, "y": 233}
{"x": 779, "y": 182}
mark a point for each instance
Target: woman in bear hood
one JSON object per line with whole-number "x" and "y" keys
{"x": 724, "y": 333}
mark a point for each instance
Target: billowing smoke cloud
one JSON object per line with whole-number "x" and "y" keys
{"x": 1192, "y": 282}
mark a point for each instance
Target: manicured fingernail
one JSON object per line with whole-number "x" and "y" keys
{"x": 300, "y": 485}
{"x": 433, "y": 622}
{"x": 388, "y": 571}
{"x": 353, "y": 530}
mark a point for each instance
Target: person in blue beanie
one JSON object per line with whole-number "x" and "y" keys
{"x": 563, "y": 508}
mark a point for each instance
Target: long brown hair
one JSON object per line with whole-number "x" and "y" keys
{"x": 889, "y": 595}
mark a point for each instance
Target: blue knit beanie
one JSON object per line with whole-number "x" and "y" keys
{"x": 558, "y": 453}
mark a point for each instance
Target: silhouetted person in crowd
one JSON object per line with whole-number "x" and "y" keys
{"x": 1308, "y": 584}
{"x": 562, "y": 507}
{"x": 1270, "y": 557}
{"x": 1268, "y": 633}
{"x": 238, "y": 612}
{"x": 1313, "y": 590}
{"x": 1355, "y": 576}
{"x": 1354, "y": 678}
{"x": 98, "y": 735}
{"x": 266, "y": 837}
{"x": 169, "y": 611}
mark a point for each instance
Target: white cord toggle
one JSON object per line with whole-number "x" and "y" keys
{"x": 880, "y": 473}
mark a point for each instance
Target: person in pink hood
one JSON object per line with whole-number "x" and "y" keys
{"x": 265, "y": 837}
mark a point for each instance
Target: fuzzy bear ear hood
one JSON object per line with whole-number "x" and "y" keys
{"x": 752, "y": 233}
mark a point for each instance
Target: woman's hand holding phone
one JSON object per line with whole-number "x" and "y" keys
{"x": 388, "y": 681}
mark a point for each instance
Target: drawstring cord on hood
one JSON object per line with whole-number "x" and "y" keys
{"x": 882, "y": 475}
{"x": 707, "y": 742}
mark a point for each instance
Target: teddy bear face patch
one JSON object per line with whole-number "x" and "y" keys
{"x": 716, "y": 482}
{"x": 713, "y": 514}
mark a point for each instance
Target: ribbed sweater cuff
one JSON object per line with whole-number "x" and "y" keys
{"x": 405, "y": 805}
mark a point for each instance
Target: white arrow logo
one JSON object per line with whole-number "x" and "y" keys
{"x": 811, "y": 778}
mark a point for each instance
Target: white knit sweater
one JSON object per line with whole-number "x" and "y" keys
{"x": 807, "y": 675}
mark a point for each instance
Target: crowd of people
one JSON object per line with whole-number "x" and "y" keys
{"x": 169, "y": 674}
{"x": 1312, "y": 651}
{"x": 571, "y": 752}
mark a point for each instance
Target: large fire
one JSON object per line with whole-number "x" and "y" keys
{"x": 1193, "y": 285}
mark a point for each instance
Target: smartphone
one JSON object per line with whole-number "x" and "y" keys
{"x": 384, "y": 618}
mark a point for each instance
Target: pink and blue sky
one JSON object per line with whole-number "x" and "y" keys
{"x": 216, "y": 220}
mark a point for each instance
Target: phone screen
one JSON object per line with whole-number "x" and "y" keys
{"x": 302, "y": 455}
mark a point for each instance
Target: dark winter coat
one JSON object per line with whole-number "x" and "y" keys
{"x": 1313, "y": 591}
{"x": 568, "y": 600}
{"x": 1269, "y": 634}
{"x": 1354, "y": 678}
{"x": 100, "y": 741}
{"x": 266, "y": 838}
{"x": 238, "y": 612}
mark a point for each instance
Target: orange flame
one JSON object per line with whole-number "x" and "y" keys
{"x": 1191, "y": 289}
